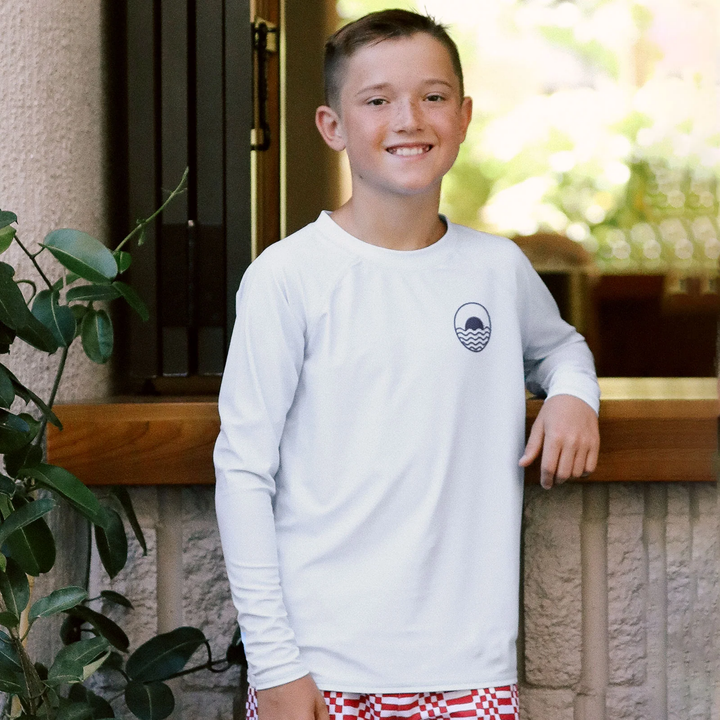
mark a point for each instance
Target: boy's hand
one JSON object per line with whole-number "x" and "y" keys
{"x": 296, "y": 700}
{"x": 566, "y": 430}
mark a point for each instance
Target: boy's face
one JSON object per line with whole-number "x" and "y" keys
{"x": 400, "y": 116}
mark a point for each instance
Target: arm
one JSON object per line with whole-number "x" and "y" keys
{"x": 559, "y": 364}
{"x": 259, "y": 384}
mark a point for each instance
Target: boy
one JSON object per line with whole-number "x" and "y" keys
{"x": 369, "y": 488}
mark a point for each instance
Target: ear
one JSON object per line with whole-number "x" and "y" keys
{"x": 465, "y": 116}
{"x": 330, "y": 127}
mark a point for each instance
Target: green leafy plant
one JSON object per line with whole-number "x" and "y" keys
{"x": 50, "y": 319}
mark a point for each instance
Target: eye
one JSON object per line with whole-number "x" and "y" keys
{"x": 376, "y": 101}
{"x": 435, "y": 97}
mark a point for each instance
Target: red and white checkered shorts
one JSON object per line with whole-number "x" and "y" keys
{"x": 496, "y": 703}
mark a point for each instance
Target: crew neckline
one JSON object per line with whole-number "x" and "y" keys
{"x": 430, "y": 254}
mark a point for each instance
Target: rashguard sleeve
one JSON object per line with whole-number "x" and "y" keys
{"x": 557, "y": 360}
{"x": 259, "y": 384}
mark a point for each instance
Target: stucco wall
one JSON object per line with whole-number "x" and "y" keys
{"x": 52, "y": 153}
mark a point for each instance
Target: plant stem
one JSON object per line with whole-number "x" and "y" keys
{"x": 142, "y": 223}
{"x": 197, "y": 668}
{"x": 53, "y": 392}
{"x": 88, "y": 558}
{"x": 58, "y": 376}
{"x": 34, "y": 262}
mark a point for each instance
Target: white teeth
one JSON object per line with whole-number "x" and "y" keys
{"x": 408, "y": 151}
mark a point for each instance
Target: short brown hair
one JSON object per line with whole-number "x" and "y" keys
{"x": 374, "y": 28}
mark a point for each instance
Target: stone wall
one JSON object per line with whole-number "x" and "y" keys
{"x": 659, "y": 641}
{"x": 653, "y": 657}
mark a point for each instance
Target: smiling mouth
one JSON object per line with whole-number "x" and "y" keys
{"x": 405, "y": 151}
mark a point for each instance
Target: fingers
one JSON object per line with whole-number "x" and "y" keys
{"x": 592, "y": 458}
{"x": 549, "y": 465}
{"x": 534, "y": 444}
{"x": 564, "y": 462}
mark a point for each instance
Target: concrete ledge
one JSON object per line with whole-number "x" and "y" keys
{"x": 652, "y": 429}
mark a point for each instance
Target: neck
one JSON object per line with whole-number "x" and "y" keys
{"x": 405, "y": 223}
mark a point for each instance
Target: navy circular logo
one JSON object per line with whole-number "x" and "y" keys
{"x": 472, "y": 326}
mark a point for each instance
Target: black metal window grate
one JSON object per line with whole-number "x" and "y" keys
{"x": 189, "y": 89}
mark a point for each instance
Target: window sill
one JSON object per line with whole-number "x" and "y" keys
{"x": 652, "y": 429}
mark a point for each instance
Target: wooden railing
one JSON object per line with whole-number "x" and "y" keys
{"x": 652, "y": 429}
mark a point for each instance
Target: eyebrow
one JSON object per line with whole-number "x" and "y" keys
{"x": 382, "y": 86}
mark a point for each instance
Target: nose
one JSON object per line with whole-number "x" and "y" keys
{"x": 408, "y": 116}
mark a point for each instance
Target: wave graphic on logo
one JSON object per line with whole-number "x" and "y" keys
{"x": 474, "y": 340}
{"x": 473, "y": 326}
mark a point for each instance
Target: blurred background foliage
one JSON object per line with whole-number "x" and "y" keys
{"x": 595, "y": 119}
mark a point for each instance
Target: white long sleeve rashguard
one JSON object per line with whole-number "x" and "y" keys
{"x": 368, "y": 494}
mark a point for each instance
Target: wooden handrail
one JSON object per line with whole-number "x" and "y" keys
{"x": 652, "y": 429}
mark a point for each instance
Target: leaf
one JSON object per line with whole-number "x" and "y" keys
{"x": 235, "y": 654}
{"x": 117, "y": 598}
{"x": 10, "y": 681}
{"x": 33, "y": 546}
{"x": 94, "y": 666}
{"x": 115, "y": 661}
{"x": 7, "y": 487}
{"x": 59, "y": 319}
{"x": 74, "y": 711}
{"x": 14, "y": 432}
{"x": 15, "y": 313}
{"x": 96, "y": 332}
{"x": 7, "y": 234}
{"x": 12, "y": 301}
{"x": 34, "y": 425}
{"x": 123, "y": 260}
{"x": 7, "y": 338}
{"x": 123, "y": 496}
{"x": 7, "y": 391}
{"x": 70, "y": 631}
{"x": 92, "y": 293}
{"x": 14, "y": 588}
{"x": 8, "y": 619}
{"x": 68, "y": 486}
{"x": 24, "y": 515}
{"x": 82, "y": 254}
{"x": 57, "y": 601}
{"x": 34, "y": 333}
{"x": 29, "y": 396}
{"x": 7, "y": 217}
{"x": 71, "y": 661}
{"x": 15, "y": 462}
{"x": 154, "y": 701}
{"x": 103, "y": 625}
{"x": 78, "y": 312}
{"x": 111, "y": 542}
{"x": 8, "y": 654}
{"x": 101, "y": 707}
{"x": 164, "y": 655}
{"x": 133, "y": 299}
{"x": 27, "y": 455}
